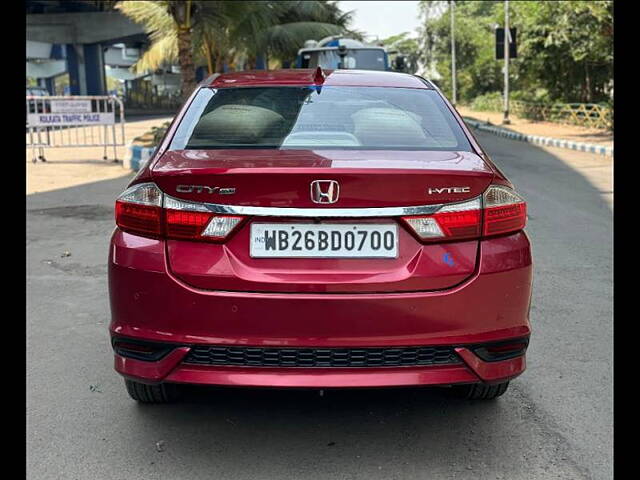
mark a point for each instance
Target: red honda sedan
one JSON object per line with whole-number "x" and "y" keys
{"x": 319, "y": 229}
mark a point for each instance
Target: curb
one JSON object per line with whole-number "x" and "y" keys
{"x": 137, "y": 156}
{"x": 549, "y": 141}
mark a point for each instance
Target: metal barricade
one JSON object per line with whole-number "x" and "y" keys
{"x": 74, "y": 121}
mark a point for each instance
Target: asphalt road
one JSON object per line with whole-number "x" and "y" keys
{"x": 554, "y": 422}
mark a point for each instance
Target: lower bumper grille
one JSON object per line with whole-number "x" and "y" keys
{"x": 321, "y": 357}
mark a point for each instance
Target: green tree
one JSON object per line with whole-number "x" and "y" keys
{"x": 406, "y": 46}
{"x": 568, "y": 47}
{"x": 565, "y": 49}
{"x": 169, "y": 25}
{"x": 298, "y": 21}
{"x": 477, "y": 71}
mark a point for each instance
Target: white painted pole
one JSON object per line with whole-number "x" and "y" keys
{"x": 453, "y": 55}
{"x": 507, "y": 38}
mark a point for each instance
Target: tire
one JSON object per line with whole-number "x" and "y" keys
{"x": 480, "y": 391}
{"x": 143, "y": 393}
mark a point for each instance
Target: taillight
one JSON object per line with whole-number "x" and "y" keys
{"x": 144, "y": 210}
{"x": 139, "y": 210}
{"x": 504, "y": 211}
{"x": 499, "y": 211}
{"x": 221, "y": 226}
{"x": 181, "y": 224}
{"x": 456, "y": 221}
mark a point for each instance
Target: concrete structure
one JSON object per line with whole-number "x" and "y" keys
{"x": 91, "y": 41}
{"x": 63, "y": 37}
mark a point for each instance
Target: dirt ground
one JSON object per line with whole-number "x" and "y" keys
{"x": 545, "y": 129}
{"x": 68, "y": 167}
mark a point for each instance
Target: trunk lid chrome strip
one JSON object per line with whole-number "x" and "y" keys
{"x": 178, "y": 204}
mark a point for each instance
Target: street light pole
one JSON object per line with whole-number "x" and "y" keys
{"x": 507, "y": 38}
{"x": 453, "y": 53}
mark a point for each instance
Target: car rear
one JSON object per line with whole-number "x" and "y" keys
{"x": 318, "y": 232}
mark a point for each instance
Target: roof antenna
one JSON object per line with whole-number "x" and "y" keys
{"x": 318, "y": 76}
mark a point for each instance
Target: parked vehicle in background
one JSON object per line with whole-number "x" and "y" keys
{"x": 345, "y": 53}
{"x": 323, "y": 229}
{"x": 37, "y": 92}
{"x": 38, "y": 106}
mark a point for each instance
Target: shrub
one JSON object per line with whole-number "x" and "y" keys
{"x": 489, "y": 102}
{"x": 152, "y": 137}
{"x": 158, "y": 132}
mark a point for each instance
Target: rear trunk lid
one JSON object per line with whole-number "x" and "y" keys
{"x": 282, "y": 178}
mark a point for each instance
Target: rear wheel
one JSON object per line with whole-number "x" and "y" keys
{"x": 143, "y": 393}
{"x": 480, "y": 391}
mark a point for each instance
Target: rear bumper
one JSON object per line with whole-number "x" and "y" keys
{"x": 149, "y": 303}
{"x": 171, "y": 369}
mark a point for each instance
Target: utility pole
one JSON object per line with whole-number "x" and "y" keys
{"x": 507, "y": 42}
{"x": 453, "y": 53}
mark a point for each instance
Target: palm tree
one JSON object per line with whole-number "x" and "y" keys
{"x": 298, "y": 21}
{"x": 225, "y": 31}
{"x": 235, "y": 35}
{"x": 168, "y": 24}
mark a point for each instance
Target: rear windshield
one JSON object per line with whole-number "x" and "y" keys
{"x": 333, "y": 117}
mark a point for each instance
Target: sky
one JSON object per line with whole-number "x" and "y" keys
{"x": 383, "y": 18}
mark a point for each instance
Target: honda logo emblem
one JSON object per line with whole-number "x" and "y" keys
{"x": 324, "y": 191}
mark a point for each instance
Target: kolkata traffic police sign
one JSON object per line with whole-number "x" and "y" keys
{"x": 69, "y": 113}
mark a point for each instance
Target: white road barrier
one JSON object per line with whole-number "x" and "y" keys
{"x": 77, "y": 121}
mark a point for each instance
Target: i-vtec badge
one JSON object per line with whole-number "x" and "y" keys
{"x": 438, "y": 191}
{"x": 205, "y": 189}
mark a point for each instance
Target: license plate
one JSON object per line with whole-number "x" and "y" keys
{"x": 286, "y": 240}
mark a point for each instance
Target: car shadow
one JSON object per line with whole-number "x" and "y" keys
{"x": 382, "y": 430}
{"x": 103, "y": 192}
